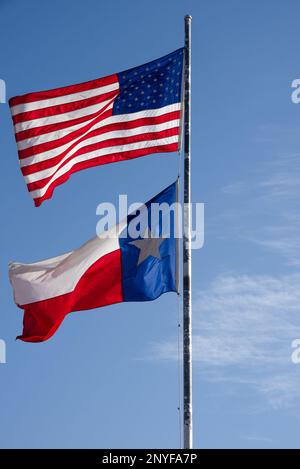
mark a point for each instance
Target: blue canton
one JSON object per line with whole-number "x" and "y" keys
{"x": 154, "y": 276}
{"x": 150, "y": 86}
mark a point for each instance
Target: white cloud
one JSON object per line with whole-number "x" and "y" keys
{"x": 233, "y": 188}
{"x": 243, "y": 329}
{"x": 264, "y": 210}
{"x": 244, "y": 324}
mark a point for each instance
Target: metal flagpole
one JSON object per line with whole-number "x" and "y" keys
{"x": 187, "y": 302}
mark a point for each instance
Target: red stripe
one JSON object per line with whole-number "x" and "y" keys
{"x": 42, "y": 147}
{"x": 63, "y": 108}
{"x": 104, "y": 160}
{"x": 66, "y": 90}
{"x": 100, "y": 285}
{"x": 33, "y": 168}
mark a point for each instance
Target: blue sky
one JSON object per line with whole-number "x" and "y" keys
{"x": 108, "y": 378}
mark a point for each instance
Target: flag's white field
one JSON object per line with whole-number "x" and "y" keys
{"x": 59, "y": 275}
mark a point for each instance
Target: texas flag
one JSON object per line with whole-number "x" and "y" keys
{"x": 114, "y": 268}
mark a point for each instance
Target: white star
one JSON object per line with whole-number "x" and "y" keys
{"x": 148, "y": 246}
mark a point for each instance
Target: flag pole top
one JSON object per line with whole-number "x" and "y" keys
{"x": 188, "y": 17}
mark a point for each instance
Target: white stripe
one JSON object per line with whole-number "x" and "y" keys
{"x": 66, "y": 116}
{"x": 103, "y": 151}
{"x": 57, "y": 134}
{"x": 60, "y": 275}
{"x": 88, "y": 141}
{"x": 65, "y": 99}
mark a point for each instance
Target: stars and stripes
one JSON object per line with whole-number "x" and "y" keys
{"x": 119, "y": 117}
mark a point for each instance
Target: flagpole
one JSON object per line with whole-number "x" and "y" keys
{"x": 187, "y": 301}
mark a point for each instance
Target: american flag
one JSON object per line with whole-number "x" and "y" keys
{"x": 118, "y": 117}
